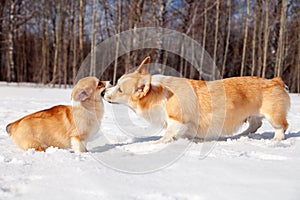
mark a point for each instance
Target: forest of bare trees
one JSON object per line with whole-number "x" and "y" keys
{"x": 46, "y": 41}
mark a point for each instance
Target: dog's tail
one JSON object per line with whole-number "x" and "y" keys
{"x": 9, "y": 129}
{"x": 280, "y": 82}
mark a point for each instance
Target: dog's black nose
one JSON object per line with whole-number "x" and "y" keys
{"x": 110, "y": 82}
{"x": 103, "y": 93}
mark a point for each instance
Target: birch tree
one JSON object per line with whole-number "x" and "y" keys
{"x": 266, "y": 38}
{"x": 245, "y": 39}
{"x": 280, "y": 48}
{"x": 253, "y": 67}
{"x": 203, "y": 39}
{"x": 81, "y": 28}
{"x": 45, "y": 43}
{"x": 216, "y": 37}
{"x": 259, "y": 45}
{"x": 10, "y": 42}
{"x": 93, "y": 39}
{"x": 227, "y": 37}
{"x": 118, "y": 14}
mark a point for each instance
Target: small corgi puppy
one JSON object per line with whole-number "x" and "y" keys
{"x": 63, "y": 126}
{"x": 203, "y": 109}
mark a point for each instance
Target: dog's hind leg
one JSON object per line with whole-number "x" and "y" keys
{"x": 27, "y": 141}
{"x": 280, "y": 125}
{"x": 30, "y": 143}
{"x": 254, "y": 124}
{"x": 276, "y": 114}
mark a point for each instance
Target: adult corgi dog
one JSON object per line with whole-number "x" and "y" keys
{"x": 203, "y": 109}
{"x": 63, "y": 126}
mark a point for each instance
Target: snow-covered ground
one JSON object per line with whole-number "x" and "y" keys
{"x": 124, "y": 165}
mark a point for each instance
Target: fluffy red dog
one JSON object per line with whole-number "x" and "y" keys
{"x": 195, "y": 108}
{"x": 63, "y": 126}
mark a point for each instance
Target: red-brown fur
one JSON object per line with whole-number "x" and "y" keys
{"x": 62, "y": 126}
{"x": 203, "y": 109}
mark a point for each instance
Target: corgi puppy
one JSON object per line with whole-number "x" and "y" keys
{"x": 63, "y": 126}
{"x": 203, "y": 109}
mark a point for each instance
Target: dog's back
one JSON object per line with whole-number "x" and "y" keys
{"x": 63, "y": 126}
{"x": 243, "y": 98}
{"x": 39, "y": 130}
{"x": 203, "y": 109}
{"x": 224, "y": 105}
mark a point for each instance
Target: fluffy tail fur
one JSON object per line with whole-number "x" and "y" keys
{"x": 279, "y": 81}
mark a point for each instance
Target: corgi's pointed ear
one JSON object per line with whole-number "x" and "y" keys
{"x": 81, "y": 94}
{"x": 143, "y": 87}
{"x": 142, "y": 69}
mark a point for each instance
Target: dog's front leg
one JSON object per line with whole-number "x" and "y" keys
{"x": 78, "y": 145}
{"x": 174, "y": 130}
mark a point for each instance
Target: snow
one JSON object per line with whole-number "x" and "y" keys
{"x": 124, "y": 163}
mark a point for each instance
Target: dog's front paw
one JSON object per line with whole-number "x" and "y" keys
{"x": 163, "y": 140}
{"x": 78, "y": 146}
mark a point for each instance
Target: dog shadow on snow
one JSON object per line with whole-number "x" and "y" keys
{"x": 260, "y": 136}
{"x": 107, "y": 147}
{"x": 256, "y": 136}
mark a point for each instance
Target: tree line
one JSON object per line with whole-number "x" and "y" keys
{"x": 46, "y": 41}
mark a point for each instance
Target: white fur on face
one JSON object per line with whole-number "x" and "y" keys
{"x": 122, "y": 81}
{"x": 113, "y": 94}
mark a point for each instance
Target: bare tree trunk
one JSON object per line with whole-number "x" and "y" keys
{"x": 45, "y": 45}
{"x": 160, "y": 22}
{"x": 259, "y": 35}
{"x": 74, "y": 43}
{"x": 266, "y": 38}
{"x": 185, "y": 69}
{"x": 245, "y": 39}
{"x": 107, "y": 18}
{"x": 193, "y": 10}
{"x": 280, "y": 48}
{"x": 2, "y": 73}
{"x": 254, "y": 46}
{"x": 56, "y": 44}
{"x": 203, "y": 39}
{"x": 118, "y": 13}
{"x": 192, "y": 68}
{"x": 65, "y": 44}
{"x": 216, "y": 37}
{"x": 10, "y": 43}
{"x": 62, "y": 51}
{"x": 298, "y": 64}
{"x": 69, "y": 39}
{"x": 139, "y": 11}
{"x": 227, "y": 38}
{"x": 81, "y": 28}
{"x": 129, "y": 43}
{"x": 181, "y": 57}
{"x": 93, "y": 40}
{"x": 130, "y": 38}
{"x": 24, "y": 59}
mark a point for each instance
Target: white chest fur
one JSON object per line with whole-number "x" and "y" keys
{"x": 154, "y": 115}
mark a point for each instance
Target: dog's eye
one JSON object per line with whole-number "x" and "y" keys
{"x": 119, "y": 90}
{"x": 100, "y": 84}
